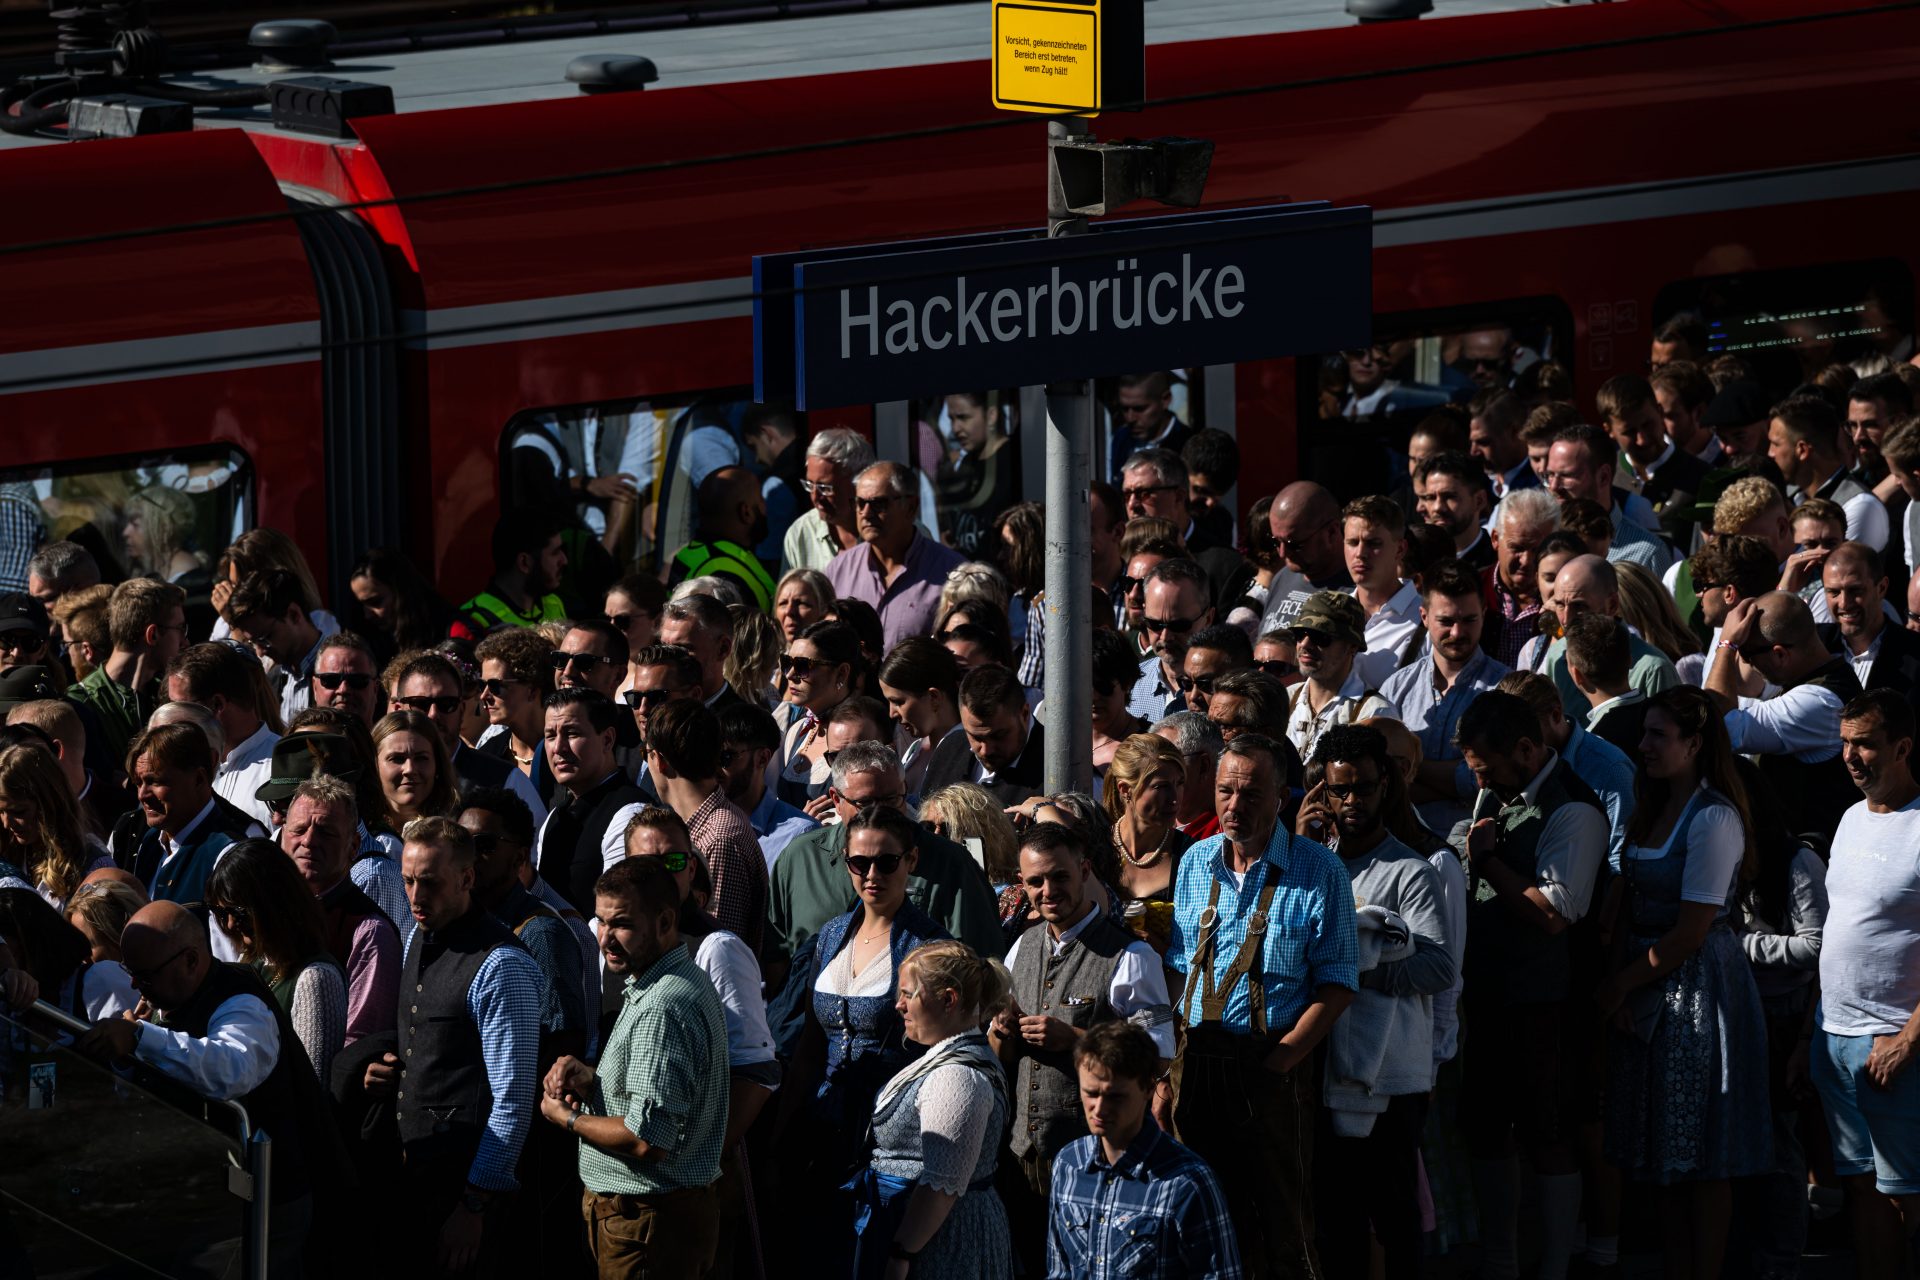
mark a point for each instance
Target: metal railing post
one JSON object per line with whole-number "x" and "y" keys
{"x": 259, "y": 1209}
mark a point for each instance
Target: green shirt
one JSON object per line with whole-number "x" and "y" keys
{"x": 664, "y": 1072}
{"x": 122, "y": 712}
{"x": 811, "y": 886}
{"x": 1650, "y": 672}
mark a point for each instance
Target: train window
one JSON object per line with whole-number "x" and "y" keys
{"x": 1784, "y": 327}
{"x": 626, "y": 473}
{"x": 1362, "y": 406}
{"x": 168, "y": 516}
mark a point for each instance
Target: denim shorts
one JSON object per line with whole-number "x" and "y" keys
{"x": 1874, "y": 1130}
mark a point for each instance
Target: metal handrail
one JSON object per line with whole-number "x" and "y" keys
{"x": 79, "y": 1026}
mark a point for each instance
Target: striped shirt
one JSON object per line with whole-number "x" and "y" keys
{"x": 1157, "y": 1212}
{"x": 1311, "y": 937}
{"x": 725, "y": 839}
{"x": 664, "y": 1073}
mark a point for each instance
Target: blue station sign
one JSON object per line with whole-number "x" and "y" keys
{"x": 891, "y": 322}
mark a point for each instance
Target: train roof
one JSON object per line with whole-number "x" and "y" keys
{"x": 475, "y": 73}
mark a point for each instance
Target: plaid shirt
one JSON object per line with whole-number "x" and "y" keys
{"x": 1520, "y": 624}
{"x": 724, "y": 836}
{"x": 1157, "y": 1212}
{"x": 664, "y": 1073}
{"x": 1033, "y": 653}
{"x": 1312, "y": 940}
{"x": 21, "y": 533}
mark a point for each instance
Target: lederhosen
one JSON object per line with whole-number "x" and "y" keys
{"x": 1255, "y": 1126}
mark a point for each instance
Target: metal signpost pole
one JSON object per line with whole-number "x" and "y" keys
{"x": 1068, "y": 706}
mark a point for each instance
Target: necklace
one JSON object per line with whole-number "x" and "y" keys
{"x": 1151, "y": 858}
{"x": 869, "y": 937}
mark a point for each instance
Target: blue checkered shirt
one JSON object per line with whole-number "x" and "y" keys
{"x": 1311, "y": 937}
{"x": 1156, "y": 1212}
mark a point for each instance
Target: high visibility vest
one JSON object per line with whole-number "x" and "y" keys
{"x": 488, "y": 611}
{"x": 702, "y": 558}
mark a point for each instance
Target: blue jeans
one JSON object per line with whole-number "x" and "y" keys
{"x": 1874, "y": 1130}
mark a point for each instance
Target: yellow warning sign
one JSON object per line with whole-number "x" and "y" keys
{"x": 1046, "y": 57}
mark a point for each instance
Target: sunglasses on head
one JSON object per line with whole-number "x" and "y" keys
{"x": 885, "y": 863}
{"x": 562, "y": 661}
{"x": 648, "y": 698}
{"x": 444, "y": 704}
{"x": 355, "y": 680}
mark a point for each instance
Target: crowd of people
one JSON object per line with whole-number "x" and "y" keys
{"x": 1533, "y": 828}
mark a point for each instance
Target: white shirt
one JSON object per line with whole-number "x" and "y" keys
{"x": 735, "y": 974}
{"x": 1869, "y": 984}
{"x": 241, "y": 774}
{"x": 1863, "y": 661}
{"x": 1138, "y": 991}
{"x": 1571, "y": 846}
{"x": 240, "y": 1048}
{"x": 1803, "y": 722}
{"x": 1716, "y": 843}
{"x": 1388, "y": 631}
{"x": 1353, "y": 703}
{"x": 1454, "y": 896}
{"x": 1866, "y": 519}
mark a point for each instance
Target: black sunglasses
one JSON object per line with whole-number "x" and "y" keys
{"x": 799, "y": 668}
{"x": 885, "y": 863}
{"x": 648, "y": 698}
{"x": 498, "y": 687}
{"x": 445, "y": 704}
{"x": 1178, "y": 626}
{"x": 1204, "y": 684}
{"x": 354, "y": 680}
{"x": 20, "y": 639}
{"x": 1130, "y": 584}
{"x": 561, "y": 660}
{"x": 1278, "y": 669}
{"x": 1347, "y": 791}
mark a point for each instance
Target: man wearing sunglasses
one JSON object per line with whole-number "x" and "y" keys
{"x": 24, "y": 632}
{"x": 898, "y": 569}
{"x": 1214, "y": 653}
{"x": 1380, "y": 1055}
{"x": 1176, "y": 605}
{"x": 593, "y": 655}
{"x": 346, "y": 676}
{"x": 217, "y": 1031}
{"x": 1155, "y": 482}
{"x": 1328, "y": 633}
{"x": 432, "y": 686}
{"x": 662, "y": 673}
{"x": 1305, "y": 521}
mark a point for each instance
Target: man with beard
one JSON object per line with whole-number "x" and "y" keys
{"x": 1453, "y": 494}
{"x": 733, "y": 520}
{"x": 651, "y": 1115}
{"x": 1873, "y": 406}
{"x": 896, "y": 568}
{"x": 1176, "y": 595}
{"x": 1803, "y": 439}
{"x": 527, "y": 562}
{"x": 1380, "y": 1054}
{"x": 1327, "y": 634}
{"x": 1737, "y": 416}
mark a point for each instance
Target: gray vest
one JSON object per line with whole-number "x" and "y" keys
{"x": 1073, "y": 988}
{"x": 443, "y": 1096}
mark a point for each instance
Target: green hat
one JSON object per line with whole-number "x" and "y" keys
{"x": 298, "y": 757}
{"x": 1333, "y": 614}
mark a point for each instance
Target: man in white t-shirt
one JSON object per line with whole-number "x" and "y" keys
{"x": 1869, "y": 1034}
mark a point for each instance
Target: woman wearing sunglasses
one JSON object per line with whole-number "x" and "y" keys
{"x": 416, "y": 774}
{"x": 818, "y": 670}
{"x": 856, "y": 977}
{"x": 258, "y": 899}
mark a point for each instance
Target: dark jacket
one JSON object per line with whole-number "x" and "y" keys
{"x": 953, "y": 761}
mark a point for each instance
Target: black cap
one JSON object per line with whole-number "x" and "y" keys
{"x": 1739, "y": 403}
{"x": 21, "y": 612}
{"x": 299, "y": 756}
{"x": 25, "y": 684}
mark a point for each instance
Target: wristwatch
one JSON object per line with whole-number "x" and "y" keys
{"x": 476, "y": 1201}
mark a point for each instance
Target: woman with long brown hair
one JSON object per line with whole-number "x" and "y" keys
{"x": 259, "y": 900}
{"x": 1687, "y": 1104}
{"x": 40, "y": 825}
{"x": 416, "y": 774}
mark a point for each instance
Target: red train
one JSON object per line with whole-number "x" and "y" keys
{"x": 511, "y": 248}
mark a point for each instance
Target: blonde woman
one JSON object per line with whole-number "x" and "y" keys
{"x": 749, "y": 664}
{"x": 1648, "y": 608}
{"x": 802, "y": 598}
{"x": 931, "y": 1210}
{"x": 963, "y": 811}
{"x": 973, "y": 589}
{"x": 40, "y": 825}
{"x": 156, "y": 533}
{"x": 1141, "y": 796}
{"x": 416, "y": 774}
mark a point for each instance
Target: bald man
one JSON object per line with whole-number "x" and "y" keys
{"x": 216, "y": 1031}
{"x": 1305, "y": 520}
{"x": 1588, "y": 584}
{"x": 1795, "y": 733}
{"x": 115, "y": 875}
{"x": 733, "y": 519}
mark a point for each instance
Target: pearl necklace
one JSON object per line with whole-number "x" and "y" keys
{"x": 1151, "y": 858}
